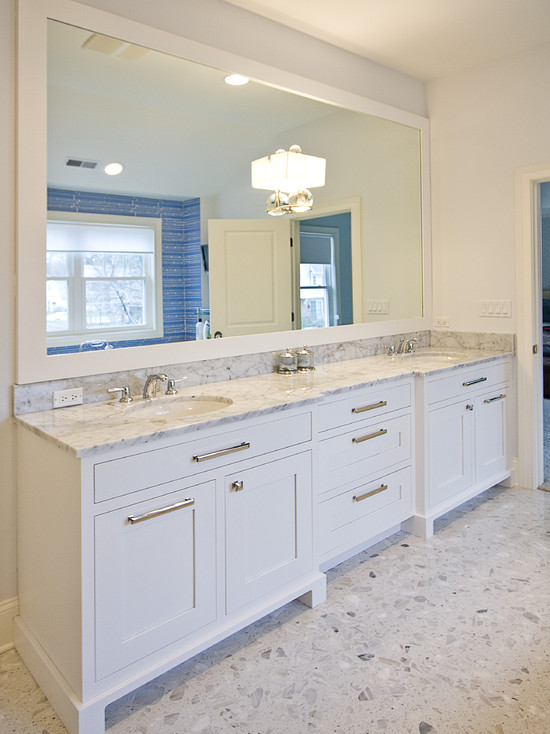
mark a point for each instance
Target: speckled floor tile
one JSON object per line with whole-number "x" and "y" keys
{"x": 449, "y": 635}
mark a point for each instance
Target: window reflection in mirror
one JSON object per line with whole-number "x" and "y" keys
{"x": 187, "y": 140}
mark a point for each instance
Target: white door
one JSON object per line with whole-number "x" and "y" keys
{"x": 250, "y": 267}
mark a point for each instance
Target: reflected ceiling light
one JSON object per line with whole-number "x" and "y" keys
{"x": 288, "y": 171}
{"x": 236, "y": 80}
{"x": 113, "y": 169}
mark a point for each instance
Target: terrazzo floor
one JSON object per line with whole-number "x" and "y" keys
{"x": 446, "y": 635}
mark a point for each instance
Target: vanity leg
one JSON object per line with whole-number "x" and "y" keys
{"x": 422, "y": 527}
{"x": 91, "y": 720}
{"x": 317, "y": 594}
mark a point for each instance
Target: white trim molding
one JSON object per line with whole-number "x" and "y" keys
{"x": 529, "y": 329}
{"x": 9, "y": 608}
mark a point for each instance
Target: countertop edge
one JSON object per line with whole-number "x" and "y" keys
{"x": 294, "y": 397}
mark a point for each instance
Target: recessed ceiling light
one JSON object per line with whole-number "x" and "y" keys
{"x": 113, "y": 169}
{"x": 236, "y": 80}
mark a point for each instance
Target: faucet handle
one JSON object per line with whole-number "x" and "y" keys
{"x": 390, "y": 349}
{"x": 410, "y": 345}
{"x": 171, "y": 385}
{"x": 125, "y": 395}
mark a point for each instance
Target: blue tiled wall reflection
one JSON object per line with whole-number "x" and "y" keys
{"x": 181, "y": 254}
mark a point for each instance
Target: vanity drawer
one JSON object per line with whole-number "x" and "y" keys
{"x": 128, "y": 474}
{"x": 464, "y": 382}
{"x": 369, "y": 509}
{"x": 363, "y": 404}
{"x": 355, "y": 454}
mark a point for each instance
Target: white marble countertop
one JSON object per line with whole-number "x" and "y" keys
{"x": 95, "y": 427}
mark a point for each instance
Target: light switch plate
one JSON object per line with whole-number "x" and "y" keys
{"x": 378, "y": 306}
{"x": 496, "y": 309}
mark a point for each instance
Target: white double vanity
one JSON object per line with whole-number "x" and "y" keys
{"x": 147, "y": 535}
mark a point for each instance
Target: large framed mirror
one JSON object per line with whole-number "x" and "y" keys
{"x": 159, "y": 104}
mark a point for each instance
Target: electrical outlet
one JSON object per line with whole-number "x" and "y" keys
{"x": 441, "y": 321}
{"x": 70, "y": 396}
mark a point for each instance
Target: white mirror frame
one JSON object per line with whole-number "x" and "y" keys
{"x": 33, "y": 363}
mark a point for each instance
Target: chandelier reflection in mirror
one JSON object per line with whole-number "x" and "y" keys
{"x": 289, "y": 174}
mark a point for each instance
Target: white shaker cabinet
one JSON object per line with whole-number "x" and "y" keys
{"x": 450, "y": 437}
{"x": 466, "y": 438}
{"x": 155, "y": 574}
{"x": 135, "y": 559}
{"x": 268, "y": 528}
{"x": 365, "y": 467}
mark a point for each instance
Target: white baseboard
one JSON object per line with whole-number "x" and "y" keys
{"x": 9, "y": 608}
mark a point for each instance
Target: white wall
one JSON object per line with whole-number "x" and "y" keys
{"x": 485, "y": 123}
{"x": 238, "y": 31}
{"x": 209, "y": 21}
{"x": 377, "y": 161}
{"x": 7, "y": 462}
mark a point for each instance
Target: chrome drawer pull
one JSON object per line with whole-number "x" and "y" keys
{"x": 474, "y": 382}
{"x": 133, "y": 519}
{"x": 381, "y": 404}
{"x": 381, "y": 432}
{"x": 237, "y": 486}
{"x": 361, "y": 497}
{"x": 214, "y": 454}
{"x": 493, "y": 400}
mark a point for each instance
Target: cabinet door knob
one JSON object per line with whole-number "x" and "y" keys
{"x": 469, "y": 406}
{"x": 237, "y": 486}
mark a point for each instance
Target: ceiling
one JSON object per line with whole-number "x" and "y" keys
{"x": 154, "y": 110}
{"x": 426, "y": 39}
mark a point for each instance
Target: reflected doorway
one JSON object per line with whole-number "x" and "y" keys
{"x": 545, "y": 306}
{"x": 325, "y": 272}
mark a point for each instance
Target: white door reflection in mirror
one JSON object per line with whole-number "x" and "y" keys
{"x": 250, "y": 267}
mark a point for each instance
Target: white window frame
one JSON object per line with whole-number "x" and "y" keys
{"x": 153, "y": 290}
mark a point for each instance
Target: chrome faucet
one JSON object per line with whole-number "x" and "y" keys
{"x": 406, "y": 346}
{"x": 151, "y": 384}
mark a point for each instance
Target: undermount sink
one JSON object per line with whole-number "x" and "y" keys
{"x": 180, "y": 406}
{"x": 436, "y": 355}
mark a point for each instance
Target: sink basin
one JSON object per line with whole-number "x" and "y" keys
{"x": 179, "y": 406}
{"x": 436, "y": 355}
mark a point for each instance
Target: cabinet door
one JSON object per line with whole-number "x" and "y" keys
{"x": 268, "y": 528}
{"x": 450, "y": 451}
{"x": 154, "y": 574}
{"x": 491, "y": 435}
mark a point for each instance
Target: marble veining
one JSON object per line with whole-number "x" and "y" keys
{"x": 445, "y": 636}
{"x": 38, "y": 396}
{"x": 91, "y": 428}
